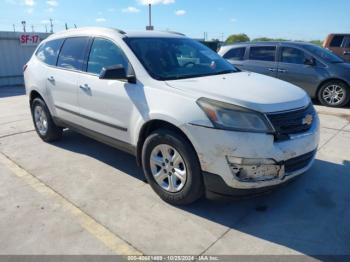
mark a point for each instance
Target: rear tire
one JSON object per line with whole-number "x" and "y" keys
{"x": 334, "y": 94}
{"x": 44, "y": 125}
{"x": 171, "y": 160}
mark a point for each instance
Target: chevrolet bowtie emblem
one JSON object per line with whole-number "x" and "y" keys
{"x": 307, "y": 120}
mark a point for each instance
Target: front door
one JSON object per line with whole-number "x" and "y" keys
{"x": 105, "y": 105}
{"x": 292, "y": 68}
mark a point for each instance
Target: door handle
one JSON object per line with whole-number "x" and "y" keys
{"x": 51, "y": 79}
{"x": 272, "y": 69}
{"x": 282, "y": 70}
{"x": 85, "y": 87}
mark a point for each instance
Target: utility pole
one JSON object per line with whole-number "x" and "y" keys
{"x": 14, "y": 28}
{"x": 32, "y": 28}
{"x": 46, "y": 28}
{"x": 24, "y": 26}
{"x": 205, "y": 36}
{"x": 150, "y": 27}
{"x": 51, "y": 25}
{"x": 66, "y": 26}
{"x": 75, "y": 26}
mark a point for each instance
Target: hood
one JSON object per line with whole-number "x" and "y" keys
{"x": 250, "y": 90}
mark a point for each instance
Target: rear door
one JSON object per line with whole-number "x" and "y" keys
{"x": 292, "y": 68}
{"x": 63, "y": 79}
{"x": 262, "y": 60}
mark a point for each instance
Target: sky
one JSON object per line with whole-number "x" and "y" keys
{"x": 289, "y": 19}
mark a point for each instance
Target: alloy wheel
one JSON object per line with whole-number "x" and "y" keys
{"x": 168, "y": 168}
{"x": 333, "y": 94}
{"x": 40, "y": 120}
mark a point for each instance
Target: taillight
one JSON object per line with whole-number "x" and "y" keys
{"x": 25, "y": 67}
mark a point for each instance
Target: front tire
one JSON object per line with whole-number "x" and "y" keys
{"x": 172, "y": 168}
{"x": 334, "y": 94}
{"x": 44, "y": 125}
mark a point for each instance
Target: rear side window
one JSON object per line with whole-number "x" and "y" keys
{"x": 48, "y": 52}
{"x": 104, "y": 53}
{"x": 262, "y": 53}
{"x": 337, "y": 41}
{"x": 235, "y": 54}
{"x": 73, "y": 53}
{"x": 292, "y": 55}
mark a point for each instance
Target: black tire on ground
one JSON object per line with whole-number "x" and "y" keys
{"x": 53, "y": 132}
{"x": 345, "y": 88}
{"x": 194, "y": 187}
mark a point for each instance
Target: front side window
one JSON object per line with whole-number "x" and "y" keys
{"x": 167, "y": 58}
{"x": 104, "y": 54}
{"x": 48, "y": 52}
{"x": 323, "y": 53}
{"x": 262, "y": 53}
{"x": 72, "y": 53}
{"x": 235, "y": 54}
{"x": 292, "y": 55}
{"x": 337, "y": 41}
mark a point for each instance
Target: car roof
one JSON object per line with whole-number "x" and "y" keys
{"x": 113, "y": 31}
{"x": 269, "y": 43}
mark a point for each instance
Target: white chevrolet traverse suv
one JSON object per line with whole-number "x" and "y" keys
{"x": 194, "y": 122}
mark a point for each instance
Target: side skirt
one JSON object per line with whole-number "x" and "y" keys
{"x": 123, "y": 146}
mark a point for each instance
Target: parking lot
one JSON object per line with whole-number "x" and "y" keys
{"x": 79, "y": 196}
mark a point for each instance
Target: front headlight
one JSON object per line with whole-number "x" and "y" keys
{"x": 231, "y": 117}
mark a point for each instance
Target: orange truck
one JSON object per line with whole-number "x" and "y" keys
{"x": 339, "y": 44}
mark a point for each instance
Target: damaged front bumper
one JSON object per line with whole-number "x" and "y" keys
{"x": 258, "y": 170}
{"x": 248, "y": 161}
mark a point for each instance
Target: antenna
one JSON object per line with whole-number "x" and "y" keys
{"x": 150, "y": 27}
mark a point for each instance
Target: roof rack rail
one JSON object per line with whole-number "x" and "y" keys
{"x": 120, "y": 31}
{"x": 175, "y": 33}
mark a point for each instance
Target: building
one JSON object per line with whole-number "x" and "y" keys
{"x": 16, "y": 48}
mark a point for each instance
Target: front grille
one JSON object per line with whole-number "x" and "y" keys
{"x": 299, "y": 162}
{"x": 292, "y": 122}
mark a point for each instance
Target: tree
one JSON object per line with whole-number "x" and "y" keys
{"x": 317, "y": 42}
{"x": 266, "y": 39}
{"x": 237, "y": 38}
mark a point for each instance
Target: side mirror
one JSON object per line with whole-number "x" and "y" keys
{"x": 116, "y": 72}
{"x": 310, "y": 61}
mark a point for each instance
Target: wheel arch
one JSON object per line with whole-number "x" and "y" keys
{"x": 330, "y": 80}
{"x": 149, "y": 127}
{"x": 34, "y": 94}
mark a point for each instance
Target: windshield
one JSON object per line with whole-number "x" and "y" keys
{"x": 325, "y": 54}
{"x": 177, "y": 58}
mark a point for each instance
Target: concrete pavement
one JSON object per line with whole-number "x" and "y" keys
{"x": 78, "y": 196}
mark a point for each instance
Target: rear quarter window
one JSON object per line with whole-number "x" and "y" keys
{"x": 235, "y": 53}
{"x": 48, "y": 51}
